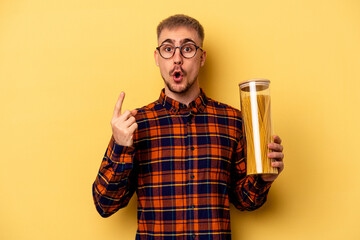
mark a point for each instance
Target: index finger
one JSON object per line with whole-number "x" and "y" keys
{"x": 118, "y": 105}
{"x": 277, "y": 139}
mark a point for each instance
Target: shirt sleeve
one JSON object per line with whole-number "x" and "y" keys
{"x": 247, "y": 192}
{"x": 116, "y": 181}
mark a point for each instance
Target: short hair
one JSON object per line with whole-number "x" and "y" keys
{"x": 181, "y": 20}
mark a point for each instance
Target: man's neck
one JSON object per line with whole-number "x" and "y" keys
{"x": 186, "y": 97}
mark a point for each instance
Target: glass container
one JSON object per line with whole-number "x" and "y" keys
{"x": 256, "y": 114}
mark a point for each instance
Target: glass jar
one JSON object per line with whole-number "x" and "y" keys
{"x": 256, "y": 114}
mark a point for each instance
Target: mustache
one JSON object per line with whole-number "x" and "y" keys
{"x": 171, "y": 72}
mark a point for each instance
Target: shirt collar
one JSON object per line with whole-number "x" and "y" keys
{"x": 198, "y": 105}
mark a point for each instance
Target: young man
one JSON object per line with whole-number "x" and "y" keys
{"x": 183, "y": 154}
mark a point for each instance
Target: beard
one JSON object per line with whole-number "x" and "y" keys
{"x": 176, "y": 89}
{"x": 181, "y": 90}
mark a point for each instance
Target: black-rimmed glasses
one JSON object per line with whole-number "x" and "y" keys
{"x": 187, "y": 50}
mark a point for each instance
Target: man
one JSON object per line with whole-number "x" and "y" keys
{"x": 183, "y": 154}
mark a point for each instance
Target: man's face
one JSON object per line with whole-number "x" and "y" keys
{"x": 179, "y": 73}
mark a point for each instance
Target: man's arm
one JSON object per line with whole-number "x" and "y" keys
{"x": 250, "y": 192}
{"x": 116, "y": 180}
{"x": 247, "y": 192}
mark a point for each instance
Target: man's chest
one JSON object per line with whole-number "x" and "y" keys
{"x": 182, "y": 149}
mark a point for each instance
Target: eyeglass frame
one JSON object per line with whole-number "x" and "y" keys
{"x": 179, "y": 47}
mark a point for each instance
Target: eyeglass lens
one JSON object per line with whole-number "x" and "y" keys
{"x": 186, "y": 50}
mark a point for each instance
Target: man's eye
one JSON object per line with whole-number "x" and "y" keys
{"x": 168, "y": 49}
{"x": 188, "y": 48}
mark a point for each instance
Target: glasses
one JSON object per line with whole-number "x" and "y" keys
{"x": 187, "y": 50}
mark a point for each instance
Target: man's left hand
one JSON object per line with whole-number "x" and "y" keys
{"x": 277, "y": 155}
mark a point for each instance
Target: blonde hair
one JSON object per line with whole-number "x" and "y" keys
{"x": 181, "y": 20}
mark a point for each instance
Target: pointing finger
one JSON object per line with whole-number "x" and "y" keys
{"x": 118, "y": 105}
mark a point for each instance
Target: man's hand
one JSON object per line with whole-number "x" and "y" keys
{"x": 276, "y": 155}
{"x": 123, "y": 125}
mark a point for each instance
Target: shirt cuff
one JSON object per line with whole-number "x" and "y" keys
{"x": 119, "y": 153}
{"x": 260, "y": 183}
{"x": 119, "y": 149}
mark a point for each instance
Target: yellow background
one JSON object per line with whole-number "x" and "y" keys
{"x": 63, "y": 64}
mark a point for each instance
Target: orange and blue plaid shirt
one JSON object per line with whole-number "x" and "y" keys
{"x": 186, "y": 165}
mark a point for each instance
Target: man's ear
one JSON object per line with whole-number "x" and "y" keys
{"x": 203, "y": 58}
{"x": 156, "y": 56}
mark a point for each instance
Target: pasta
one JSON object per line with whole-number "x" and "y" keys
{"x": 257, "y": 149}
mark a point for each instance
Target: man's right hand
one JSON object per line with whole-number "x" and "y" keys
{"x": 123, "y": 125}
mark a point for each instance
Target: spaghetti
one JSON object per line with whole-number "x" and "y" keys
{"x": 256, "y": 114}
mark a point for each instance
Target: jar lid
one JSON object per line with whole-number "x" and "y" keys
{"x": 261, "y": 84}
{"x": 255, "y": 80}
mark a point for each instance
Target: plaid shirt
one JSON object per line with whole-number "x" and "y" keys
{"x": 186, "y": 165}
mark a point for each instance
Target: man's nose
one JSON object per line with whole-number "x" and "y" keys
{"x": 177, "y": 58}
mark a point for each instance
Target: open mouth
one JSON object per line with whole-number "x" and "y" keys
{"x": 177, "y": 76}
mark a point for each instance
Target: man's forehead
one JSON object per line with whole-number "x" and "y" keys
{"x": 182, "y": 41}
{"x": 178, "y": 35}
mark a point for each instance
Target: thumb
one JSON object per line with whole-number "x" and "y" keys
{"x": 133, "y": 112}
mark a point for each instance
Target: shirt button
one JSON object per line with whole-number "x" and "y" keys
{"x": 192, "y": 176}
{"x": 192, "y": 148}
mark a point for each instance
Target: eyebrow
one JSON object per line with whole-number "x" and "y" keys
{"x": 186, "y": 40}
